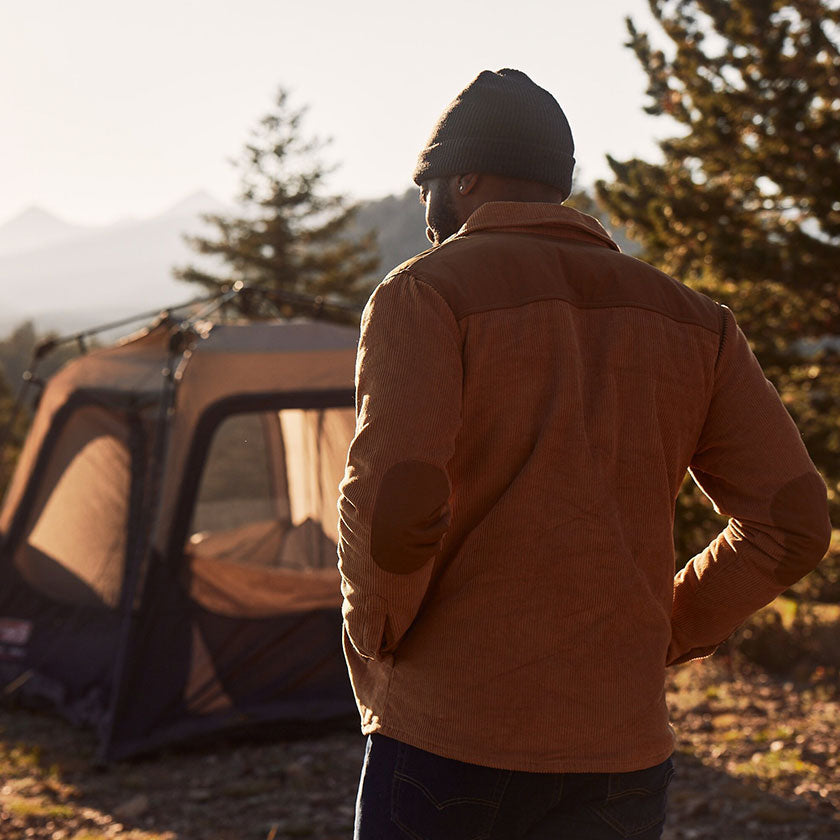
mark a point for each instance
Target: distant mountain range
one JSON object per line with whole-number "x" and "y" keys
{"x": 35, "y": 228}
{"x": 68, "y": 277}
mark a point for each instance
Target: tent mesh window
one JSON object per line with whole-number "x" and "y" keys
{"x": 74, "y": 545}
{"x": 241, "y": 484}
{"x": 266, "y": 507}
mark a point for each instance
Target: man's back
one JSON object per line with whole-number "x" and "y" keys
{"x": 563, "y": 389}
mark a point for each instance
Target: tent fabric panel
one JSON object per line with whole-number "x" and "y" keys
{"x": 316, "y": 444}
{"x": 258, "y": 543}
{"x": 264, "y": 544}
{"x": 204, "y": 694}
{"x": 135, "y": 366}
{"x": 213, "y": 377}
{"x": 73, "y": 548}
{"x": 194, "y": 671}
{"x": 281, "y": 337}
{"x": 234, "y": 590}
{"x": 284, "y": 658}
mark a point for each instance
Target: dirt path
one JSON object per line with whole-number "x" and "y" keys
{"x": 757, "y": 758}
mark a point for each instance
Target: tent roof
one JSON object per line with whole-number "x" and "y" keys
{"x": 135, "y": 364}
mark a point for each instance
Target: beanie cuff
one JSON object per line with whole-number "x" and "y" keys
{"x": 497, "y": 156}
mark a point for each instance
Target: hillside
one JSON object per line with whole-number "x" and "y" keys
{"x": 400, "y": 225}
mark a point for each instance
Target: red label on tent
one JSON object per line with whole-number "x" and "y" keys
{"x": 14, "y": 634}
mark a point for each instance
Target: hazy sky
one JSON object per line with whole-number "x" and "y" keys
{"x": 113, "y": 108}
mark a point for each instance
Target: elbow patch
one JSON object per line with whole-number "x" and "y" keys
{"x": 410, "y": 516}
{"x": 800, "y": 508}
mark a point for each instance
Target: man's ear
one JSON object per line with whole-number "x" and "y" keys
{"x": 467, "y": 183}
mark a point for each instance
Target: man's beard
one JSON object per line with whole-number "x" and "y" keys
{"x": 443, "y": 219}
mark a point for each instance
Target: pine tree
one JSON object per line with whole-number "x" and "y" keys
{"x": 745, "y": 205}
{"x": 288, "y": 236}
{"x": 13, "y": 423}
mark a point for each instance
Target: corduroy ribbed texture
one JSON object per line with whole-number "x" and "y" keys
{"x": 561, "y": 389}
{"x": 501, "y": 124}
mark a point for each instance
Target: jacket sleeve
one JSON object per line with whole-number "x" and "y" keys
{"x": 394, "y": 498}
{"x": 751, "y": 462}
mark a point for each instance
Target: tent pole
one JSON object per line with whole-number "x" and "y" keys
{"x": 141, "y": 553}
{"x": 49, "y": 344}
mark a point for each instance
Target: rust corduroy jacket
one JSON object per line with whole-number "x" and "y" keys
{"x": 528, "y": 401}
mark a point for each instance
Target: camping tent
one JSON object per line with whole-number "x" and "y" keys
{"x": 167, "y": 565}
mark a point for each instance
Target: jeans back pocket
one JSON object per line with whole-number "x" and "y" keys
{"x": 636, "y": 802}
{"x": 435, "y": 798}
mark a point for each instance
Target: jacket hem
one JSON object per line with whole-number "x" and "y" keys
{"x": 526, "y": 763}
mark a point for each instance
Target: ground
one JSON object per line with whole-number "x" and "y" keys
{"x": 758, "y": 757}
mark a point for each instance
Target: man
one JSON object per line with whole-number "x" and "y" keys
{"x": 528, "y": 402}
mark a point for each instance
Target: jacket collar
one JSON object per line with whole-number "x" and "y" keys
{"x": 536, "y": 217}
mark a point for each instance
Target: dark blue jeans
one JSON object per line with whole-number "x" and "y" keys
{"x": 406, "y": 792}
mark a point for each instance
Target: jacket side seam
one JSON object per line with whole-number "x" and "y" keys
{"x": 723, "y": 333}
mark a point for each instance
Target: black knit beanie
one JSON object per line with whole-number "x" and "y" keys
{"x": 501, "y": 124}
